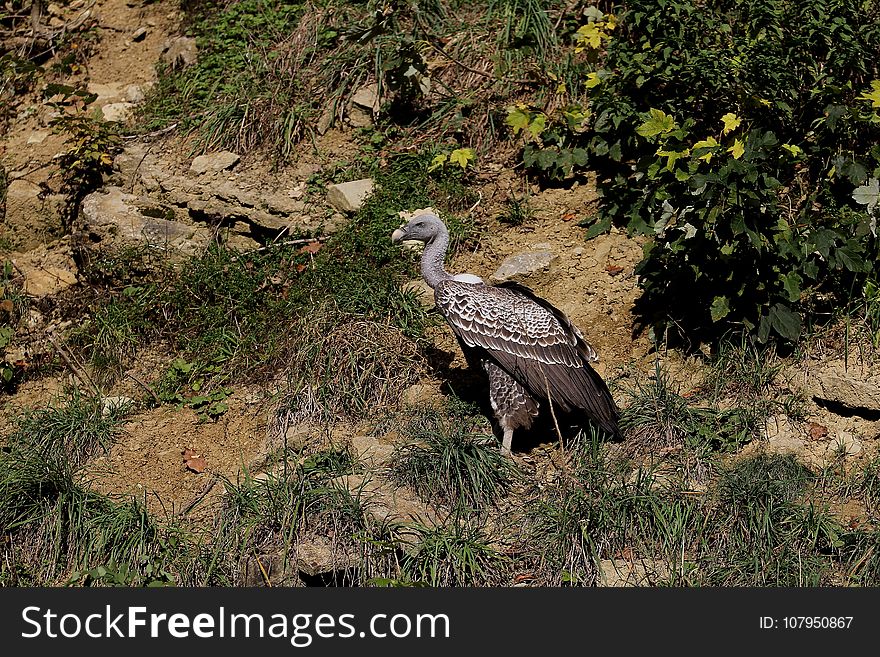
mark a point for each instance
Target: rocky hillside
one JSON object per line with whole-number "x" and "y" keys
{"x": 210, "y": 336}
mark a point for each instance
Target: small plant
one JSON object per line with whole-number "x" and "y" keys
{"x": 450, "y": 460}
{"x": 92, "y": 145}
{"x": 448, "y": 555}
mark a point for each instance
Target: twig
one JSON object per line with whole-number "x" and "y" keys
{"x": 306, "y": 240}
{"x": 262, "y": 570}
{"x": 479, "y": 200}
{"x": 145, "y": 387}
{"x": 74, "y": 368}
{"x": 155, "y": 133}
{"x": 460, "y": 63}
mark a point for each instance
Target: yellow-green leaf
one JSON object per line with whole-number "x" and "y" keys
{"x": 590, "y": 36}
{"x": 462, "y": 157}
{"x": 438, "y": 161}
{"x": 593, "y": 80}
{"x": 872, "y": 95}
{"x": 731, "y": 122}
{"x": 518, "y": 118}
{"x": 709, "y": 143}
{"x": 795, "y": 150}
{"x": 659, "y": 124}
{"x": 538, "y": 124}
{"x": 737, "y": 149}
{"x": 672, "y": 157}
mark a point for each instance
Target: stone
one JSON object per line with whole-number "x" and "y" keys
{"x": 367, "y": 97}
{"x": 139, "y": 34}
{"x": 53, "y": 9}
{"x": 318, "y": 555}
{"x": 783, "y": 437}
{"x": 115, "y": 404}
{"x": 847, "y": 444}
{"x": 47, "y": 270}
{"x": 370, "y": 450}
{"x": 523, "y": 264}
{"x": 214, "y": 162}
{"x": 110, "y": 92}
{"x": 422, "y": 290}
{"x": 133, "y": 94}
{"x": 358, "y": 118}
{"x": 117, "y": 112}
{"x": 847, "y": 389}
{"x": 37, "y": 137}
{"x": 636, "y": 572}
{"x": 349, "y": 196}
{"x": 32, "y": 215}
{"x": 180, "y": 52}
{"x": 420, "y": 394}
{"x": 109, "y": 219}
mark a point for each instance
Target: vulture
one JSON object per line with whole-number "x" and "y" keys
{"x": 529, "y": 349}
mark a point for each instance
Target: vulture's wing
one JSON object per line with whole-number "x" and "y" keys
{"x": 532, "y": 341}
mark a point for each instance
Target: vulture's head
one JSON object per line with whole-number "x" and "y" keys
{"x": 424, "y": 228}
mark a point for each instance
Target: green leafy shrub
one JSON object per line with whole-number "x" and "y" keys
{"x": 734, "y": 135}
{"x": 742, "y": 138}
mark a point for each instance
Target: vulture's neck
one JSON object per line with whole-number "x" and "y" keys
{"x": 432, "y": 260}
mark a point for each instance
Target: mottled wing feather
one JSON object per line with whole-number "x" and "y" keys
{"x": 531, "y": 340}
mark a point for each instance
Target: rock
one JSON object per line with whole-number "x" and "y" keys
{"x": 31, "y": 214}
{"x": 350, "y": 196}
{"x": 367, "y": 97}
{"x": 53, "y": 9}
{"x": 180, "y": 52}
{"x": 133, "y": 93}
{"x": 626, "y": 572}
{"x": 847, "y": 444}
{"x": 370, "y": 450}
{"x": 139, "y": 34}
{"x": 37, "y": 137}
{"x": 325, "y": 121}
{"x": 384, "y": 502}
{"x": 841, "y": 387}
{"x": 110, "y": 220}
{"x": 422, "y": 290}
{"x": 318, "y": 555}
{"x": 420, "y": 394}
{"x": 214, "y": 162}
{"x": 783, "y": 437}
{"x": 111, "y": 92}
{"x": 523, "y": 264}
{"x": 115, "y": 404}
{"x": 359, "y": 118}
{"x": 47, "y": 269}
{"x": 364, "y": 106}
{"x": 117, "y": 112}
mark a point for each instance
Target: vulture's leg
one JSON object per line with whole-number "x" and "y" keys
{"x": 514, "y": 407}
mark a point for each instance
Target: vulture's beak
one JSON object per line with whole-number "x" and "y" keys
{"x": 397, "y": 235}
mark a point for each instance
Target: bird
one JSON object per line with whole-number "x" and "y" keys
{"x": 530, "y": 350}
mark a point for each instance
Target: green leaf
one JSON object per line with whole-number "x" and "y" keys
{"x": 796, "y": 151}
{"x": 720, "y": 308}
{"x": 659, "y": 123}
{"x": 593, "y": 80}
{"x": 785, "y": 321}
{"x": 538, "y": 125}
{"x": 792, "y": 284}
{"x": 599, "y": 227}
